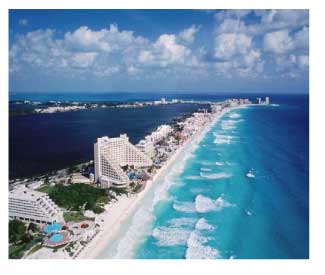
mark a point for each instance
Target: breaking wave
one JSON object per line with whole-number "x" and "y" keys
{"x": 222, "y": 139}
{"x": 204, "y": 204}
{"x": 206, "y": 169}
{"x": 187, "y": 207}
{"x": 171, "y": 236}
{"x": 234, "y": 115}
{"x": 215, "y": 175}
{"x": 202, "y": 224}
{"x": 196, "y": 243}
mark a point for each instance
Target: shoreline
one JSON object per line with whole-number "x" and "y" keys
{"x": 117, "y": 214}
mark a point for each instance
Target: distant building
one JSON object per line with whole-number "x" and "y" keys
{"x": 267, "y": 100}
{"x": 147, "y": 147}
{"x": 259, "y": 100}
{"x": 161, "y": 132}
{"x": 163, "y": 100}
{"x": 216, "y": 108}
{"x": 111, "y": 154}
{"x": 33, "y": 206}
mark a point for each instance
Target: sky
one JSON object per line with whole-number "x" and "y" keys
{"x": 195, "y": 51}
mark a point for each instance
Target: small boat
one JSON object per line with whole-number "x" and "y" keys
{"x": 248, "y": 212}
{"x": 250, "y": 174}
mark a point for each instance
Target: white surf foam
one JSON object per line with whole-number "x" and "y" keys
{"x": 196, "y": 248}
{"x": 202, "y": 224}
{"x": 182, "y": 222}
{"x": 171, "y": 236}
{"x": 234, "y": 115}
{"x": 215, "y": 175}
{"x": 222, "y": 203}
{"x": 204, "y": 204}
{"x": 187, "y": 207}
{"x": 222, "y": 139}
{"x": 230, "y": 124}
{"x": 218, "y": 163}
{"x": 206, "y": 169}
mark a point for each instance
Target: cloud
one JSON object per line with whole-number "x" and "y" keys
{"x": 188, "y": 35}
{"x": 228, "y": 45}
{"x": 275, "y": 42}
{"x": 278, "y": 42}
{"x": 246, "y": 47}
{"x": 282, "y": 41}
{"x": 23, "y": 22}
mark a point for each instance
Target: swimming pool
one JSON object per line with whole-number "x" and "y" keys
{"x": 52, "y": 228}
{"x": 56, "y": 238}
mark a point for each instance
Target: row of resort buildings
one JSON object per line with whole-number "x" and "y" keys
{"x": 118, "y": 163}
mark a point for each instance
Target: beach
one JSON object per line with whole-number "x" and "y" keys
{"x": 118, "y": 213}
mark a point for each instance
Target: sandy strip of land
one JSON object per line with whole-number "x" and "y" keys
{"x": 117, "y": 213}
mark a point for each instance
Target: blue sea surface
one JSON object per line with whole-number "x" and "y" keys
{"x": 42, "y": 143}
{"x": 242, "y": 193}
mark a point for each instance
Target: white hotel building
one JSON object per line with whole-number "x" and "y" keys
{"x": 33, "y": 206}
{"x": 111, "y": 154}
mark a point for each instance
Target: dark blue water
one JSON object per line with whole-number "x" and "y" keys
{"x": 41, "y": 143}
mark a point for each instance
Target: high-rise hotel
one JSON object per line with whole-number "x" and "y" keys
{"x": 111, "y": 154}
{"x": 33, "y": 206}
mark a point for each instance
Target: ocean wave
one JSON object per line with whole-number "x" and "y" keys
{"x": 218, "y": 163}
{"x": 230, "y": 124}
{"x": 170, "y": 236}
{"x": 182, "y": 222}
{"x": 202, "y": 224}
{"x": 222, "y": 139}
{"x": 215, "y": 175}
{"x": 187, "y": 207}
{"x": 206, "y": 162}
{"x": 204, "y": 204}
{"x": 222, "y": 203}
{"x": 234, "y": 115}
{"x": 206, "y": 169}
{"x": 196, "y": 248}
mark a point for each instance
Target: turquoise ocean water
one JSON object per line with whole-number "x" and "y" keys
{"x": 242, "y": 192}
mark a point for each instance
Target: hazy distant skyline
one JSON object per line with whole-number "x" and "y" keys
{"x": 159, "y": 50}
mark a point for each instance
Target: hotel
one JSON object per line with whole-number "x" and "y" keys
{"x": 33, "y": 206}
{"x": 111, "y": 154}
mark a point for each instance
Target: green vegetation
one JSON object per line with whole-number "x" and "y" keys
{"x": 119, "y": 191}
{"x": 17, "y": 231}
{"x": 45, "y": 188}
{"x": 78, "y": 196}
{"x": 20, "y": 239}
{"x": 75, "y": 216}
{"x": 32, "y": 227}
{"x": 34, "y": 249}
{"x": 17, "y": 251}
